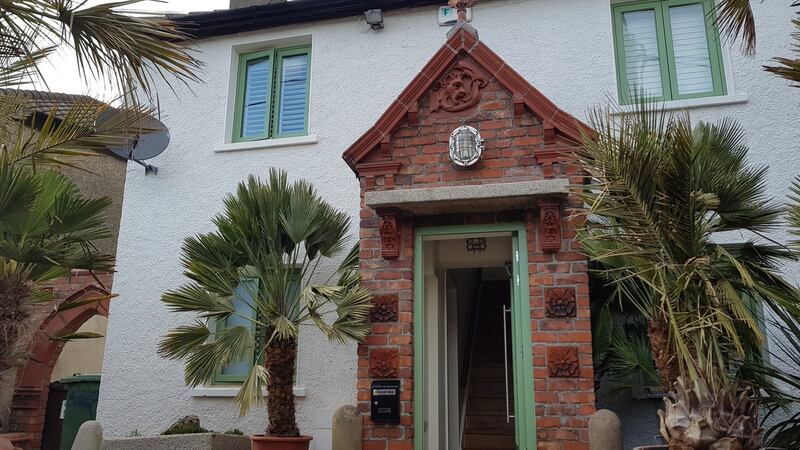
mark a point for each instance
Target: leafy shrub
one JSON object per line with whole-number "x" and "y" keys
{"x": 185, "y": 428}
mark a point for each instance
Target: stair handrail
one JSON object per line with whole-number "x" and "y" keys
{"x": 468, "y": 352}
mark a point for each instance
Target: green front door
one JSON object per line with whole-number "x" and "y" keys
{"x": 520, "y": 323}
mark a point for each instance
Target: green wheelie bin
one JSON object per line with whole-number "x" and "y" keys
{"x": 80, "y": 405}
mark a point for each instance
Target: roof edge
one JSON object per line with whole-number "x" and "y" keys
{"x": 231, "y": 21}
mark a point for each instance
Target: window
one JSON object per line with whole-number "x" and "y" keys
{"x": 667, "y": 50}
{"x": 243, "y": 303}
{"x": 272, "y": 94}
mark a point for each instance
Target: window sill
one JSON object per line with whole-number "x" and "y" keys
{"x": 693, "y": 103}
{"x": 219, "y": 392}
{"x": 267, "y": 143}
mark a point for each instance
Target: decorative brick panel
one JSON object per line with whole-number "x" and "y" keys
{"x": 384, "y": 308}
{"x": 383, "y": 362}
{"x": 390, "y": 236}
{"x": 560, "y": 302}
{"x": 550, "y": 226}
{"x": 563, "y": 362}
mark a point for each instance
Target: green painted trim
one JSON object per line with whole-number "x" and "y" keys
{"x": 619, "y": 48}
{"x": 279, "y": 55}
{"x": 275, "y": 57}
{"x": 420, "y": 392}
{"x": 241, "y": 84}
{"x": 714, "y": 51}
{"x": 665, "y": 48}
{"x": 523, "y": 373}
{"x": 525, "y": 410}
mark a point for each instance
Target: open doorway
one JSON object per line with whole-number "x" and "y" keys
{"x": 469, "y": 359}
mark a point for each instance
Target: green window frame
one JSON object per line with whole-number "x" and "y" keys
{"x": 275, "y": 59}
{"x": 666, "y": 51}
{"x": 257, "y": 356}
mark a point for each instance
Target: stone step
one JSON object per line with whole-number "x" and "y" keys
{"x": 488, "y": 407}
{"x": 489, "y": 442}
{"x": 490, "y": 390}
{"x": 489, "y": 374}
{"x": 494, "y": 423}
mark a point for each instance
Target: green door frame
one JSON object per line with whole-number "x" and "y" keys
{"x": 524, "y": 406}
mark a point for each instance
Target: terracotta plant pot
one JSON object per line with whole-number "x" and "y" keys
{"x": 261, "y": 442}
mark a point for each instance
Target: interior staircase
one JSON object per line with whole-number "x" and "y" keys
{"x": 485, "y": 425}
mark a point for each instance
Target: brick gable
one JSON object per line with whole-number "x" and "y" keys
{"x": 408, "y": 150}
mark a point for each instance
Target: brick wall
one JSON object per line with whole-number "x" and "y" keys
{"x": 29, "y": 403}
{"x": 559, "y": 295}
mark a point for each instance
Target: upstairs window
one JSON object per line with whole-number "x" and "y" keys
{"x": 667, "y": 50}
{"x": 272, "y": 94}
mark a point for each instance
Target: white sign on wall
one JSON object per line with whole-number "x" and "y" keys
{"x": 448, "y": 16}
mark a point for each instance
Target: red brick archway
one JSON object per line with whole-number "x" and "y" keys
{"x": 33, "y": 380}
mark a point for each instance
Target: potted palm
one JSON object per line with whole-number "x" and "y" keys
{"x": 258, "y": 270}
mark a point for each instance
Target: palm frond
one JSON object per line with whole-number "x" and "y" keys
{"x": 127, "y": 50}
{"x": 180, "y": 342}
{"x": 789, "y": 68}
{"x": 735, "y": 20}
{"x": 250, "y": 395}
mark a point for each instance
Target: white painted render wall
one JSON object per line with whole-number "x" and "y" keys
{"x": 563, "y": 47}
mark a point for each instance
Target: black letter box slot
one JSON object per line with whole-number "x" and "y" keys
{"x": 386, "y": 401}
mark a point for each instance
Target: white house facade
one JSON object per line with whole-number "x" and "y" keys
{"x": 352, "y": 74}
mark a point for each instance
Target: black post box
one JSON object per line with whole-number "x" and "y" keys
{"x": 386, "y": 401}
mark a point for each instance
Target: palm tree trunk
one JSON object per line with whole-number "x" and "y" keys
{"x": 13, "y": 324}
{"x": 663, "y": 356}
{"x": 13, "y": 293}
{"x": 279, "y": 360}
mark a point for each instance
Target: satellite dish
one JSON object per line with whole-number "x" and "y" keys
{"x": 153, "y": 139}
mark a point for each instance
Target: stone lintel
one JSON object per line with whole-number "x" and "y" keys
{"x": 468, "y": 198}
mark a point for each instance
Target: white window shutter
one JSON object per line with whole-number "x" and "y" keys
{"x": 642, "y": 62}
{"x": 256, "y": 96}
{"x": 690, "y": 47}
{"x": 293, "y": 94}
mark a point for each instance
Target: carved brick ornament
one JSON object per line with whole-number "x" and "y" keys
{"x": 560, "y": 302}
{"x": 563, "y": 362}
{"x": 459, "y": 90}
{"x": 390, "y": 236}
{"x": 383, "y": 363}
{"x": 384, "y": 308}
{"x": 550, "y": 226}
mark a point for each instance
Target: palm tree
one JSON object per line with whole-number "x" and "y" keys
{"x": 46, "y": 229}
{"x": 664, "y": 195}
{"x": 275, "y": 235}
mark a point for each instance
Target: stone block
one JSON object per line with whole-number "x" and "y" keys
{"x": 347, "y": 429}
{"x": 89, "y": 437}
{"x": 207, "y": 441}
{"x": 605, "y": 431}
